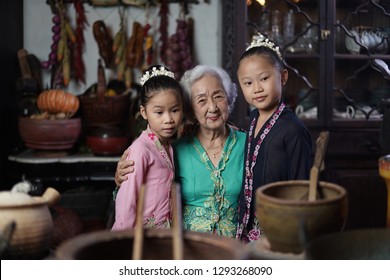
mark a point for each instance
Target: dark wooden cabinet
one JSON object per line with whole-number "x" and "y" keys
{"x": 336, "y": 83}
{"x": 63, "y": 170}
{"x": 11, "y": 30}
{"x": 85, "y": 181}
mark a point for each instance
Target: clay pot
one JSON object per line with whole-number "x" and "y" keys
{"x": 107, "y": 140}
{"x": 34, "y": 225}
{"x": 290, "y": 221}
{"x": 45, "y": 134}
{"x": 107, "y": 145}
{"x": 118, "y": 245}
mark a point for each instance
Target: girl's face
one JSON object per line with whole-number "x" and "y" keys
{"x": 164, "y": 113}
{"x": 209, "y": 102}
{"x": 261, "y": 82}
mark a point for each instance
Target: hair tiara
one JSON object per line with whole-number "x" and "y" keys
{"x": 260, "y": 40}
{"x": 161, "y": 71}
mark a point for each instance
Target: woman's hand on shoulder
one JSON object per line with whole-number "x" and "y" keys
{"x": 123, "y": 168}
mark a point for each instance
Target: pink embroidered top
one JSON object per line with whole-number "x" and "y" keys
{"x": 154, "y": 167}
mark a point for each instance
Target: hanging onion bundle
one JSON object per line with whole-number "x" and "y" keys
{"x": 163, "y": 13}
{"x": 178, "y": 53}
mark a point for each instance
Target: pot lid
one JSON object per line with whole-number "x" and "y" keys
{"x": 18, "y": 199}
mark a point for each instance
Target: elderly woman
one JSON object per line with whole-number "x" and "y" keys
{"x": 209, "y": 161}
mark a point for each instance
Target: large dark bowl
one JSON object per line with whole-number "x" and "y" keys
{"x": 46, "y": 134}
{"x": 118, "y": 245}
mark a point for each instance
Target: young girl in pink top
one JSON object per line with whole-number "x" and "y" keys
{"x": 161, "y": 106}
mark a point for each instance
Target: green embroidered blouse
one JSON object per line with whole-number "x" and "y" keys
{"x": 210, "y": 194}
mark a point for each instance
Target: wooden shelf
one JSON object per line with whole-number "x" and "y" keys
{"x": 123, "y": 2}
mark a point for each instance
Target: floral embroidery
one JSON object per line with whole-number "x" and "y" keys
{"x": 115, "y": 193}
{"x": 167, "y": 223}
{"x": 248, "y": 187}
{"x": 215, "y": 215}
{"x": 255, "y": 232}
{"x": 210, "y": 219}
{"x": 150, "y": 222}
{"x": 160, "y": 148}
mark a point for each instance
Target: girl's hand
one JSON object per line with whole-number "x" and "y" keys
{"x": 123, "y": 168}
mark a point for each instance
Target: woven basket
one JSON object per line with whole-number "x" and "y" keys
{"x": 67, "y": 224}
{"x": 101, "y": 109}
{"x": 88, "y": 202}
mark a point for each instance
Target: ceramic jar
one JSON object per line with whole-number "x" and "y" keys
{"x": 34, "y": 225}
{"x": 365, "y": 38}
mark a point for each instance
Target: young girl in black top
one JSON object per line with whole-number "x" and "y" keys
{"x": 278, "y": 145}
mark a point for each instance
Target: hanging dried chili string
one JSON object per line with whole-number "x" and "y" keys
{"x": 62, "y": 73}
{"x": 148, "y": 47}
{"x": 148, "y": 42}
{"x": 81, "y": 24}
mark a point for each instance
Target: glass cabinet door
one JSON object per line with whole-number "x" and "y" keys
{"x": 337, "y": 53}
{"x": 295, "y": 26}
{"x": 361, "y": 58}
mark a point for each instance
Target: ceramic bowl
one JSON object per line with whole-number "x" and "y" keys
{"x": 45, "y": 134}
{"x": 107, "y": 140}
{"x": 352, "y": 42}
{"x": 107, "y": 145}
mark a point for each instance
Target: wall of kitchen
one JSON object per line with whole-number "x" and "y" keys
{"x": 28, "y": 24}
{"x": 38, "y": 34}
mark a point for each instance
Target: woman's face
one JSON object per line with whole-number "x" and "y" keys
{"x": 261, "y": 82}
{"x": 209, "y": 102}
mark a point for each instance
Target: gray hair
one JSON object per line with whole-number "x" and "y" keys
{"x": 199, "y": 71}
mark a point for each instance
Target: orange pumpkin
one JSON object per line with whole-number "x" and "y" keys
{"x": 56, "y": 101}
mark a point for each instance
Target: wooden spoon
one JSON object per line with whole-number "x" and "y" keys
{"x": 177, "y": 230}
{"x": 5, "y": 237}
{"x": 321, "y": 145}
{"x": 138, "y": 241}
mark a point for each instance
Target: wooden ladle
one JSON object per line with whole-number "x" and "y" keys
{"x": 321, "y": 145}
{"x": 138, "y": 241}
{"x": 177, "y": 229}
